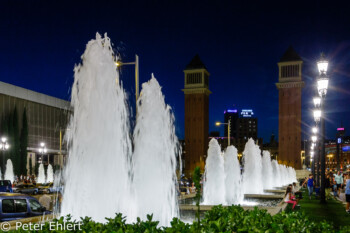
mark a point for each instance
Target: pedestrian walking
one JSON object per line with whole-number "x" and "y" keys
{"x": 310, "y": 185}
{"x": 339, "y": 180}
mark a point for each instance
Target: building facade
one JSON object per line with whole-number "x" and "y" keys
{"x": 47, "y": 121}
{"x": 196, "y": 93}
{"x": 289, "y": 126}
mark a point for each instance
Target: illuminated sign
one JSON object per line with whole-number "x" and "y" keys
{"x": 247, "y": 113}
{"x": 346, "y": 148}
{"x": 339, "y": 140}
{"x": 230, "y": 111}
{"x": 340, "y": 129}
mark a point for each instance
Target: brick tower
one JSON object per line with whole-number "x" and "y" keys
{"x": 289, "y": 126}
{"x": 196, "y": 114}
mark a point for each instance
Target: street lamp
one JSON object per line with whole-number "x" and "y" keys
{"x": 42, "y": 150}
{"x": 317, "y": 115}
{"x": 228, "y": 129}
{"x": 4, "y": 146}
{"x": 317, "y": 101}
{"x": 322, "y": 86}
{"x": 314, "y": 130}
{"x": 119, "y": 63}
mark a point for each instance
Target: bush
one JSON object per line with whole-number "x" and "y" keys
{"x": 219, "y": 219}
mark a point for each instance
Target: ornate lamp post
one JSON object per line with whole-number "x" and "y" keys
{"x": 4, "y": 146}
{"x": 322, "y": 86}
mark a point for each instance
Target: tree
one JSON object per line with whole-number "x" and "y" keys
{"x": 16, "y": 144}
{"x": 30, "y": 166}
{"x": 23, "y": 145}
{"x": 197, "y": 184}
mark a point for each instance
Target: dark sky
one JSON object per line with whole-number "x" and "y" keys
{"x": 240, "y": 42}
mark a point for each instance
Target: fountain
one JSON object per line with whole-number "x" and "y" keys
{"x": 154, "y": 157}
{"x": 267, "y": 172}
{"x": 233, "y": 178}
{"x": 102, "y": 176}
{"x": 41, "y": 178}
{"x": 49, "y": 176}
{"x": 97, "y": 181}
{"x": 252, "y": 175}
{"x": 214, "y": 183}
{"x": 9, "y": 175}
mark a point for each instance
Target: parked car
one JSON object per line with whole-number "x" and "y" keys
{"x": 6, "y": 186}
{"x": 49, "y": 188}
{"x": 26, "y": 188}
{"x": 15, "y": 206}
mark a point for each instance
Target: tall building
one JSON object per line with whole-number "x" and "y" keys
{"x": 196, "y": 114}
{"x": 232, "y": 115}
{"x": 47, "y": 119}
{"x": 289, "y": 126}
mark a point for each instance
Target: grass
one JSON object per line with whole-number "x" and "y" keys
{"x": 333, "y": 211}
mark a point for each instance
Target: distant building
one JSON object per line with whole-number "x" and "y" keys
{"x": 232, "y": 115}
{"x": 47, "y": 121}
{"x": 243, "y": 126}
{"x": 272, "y": 147}
{"x": 214, "y": 134}
{"x": 197, "y": 93}
{"x": 289, "y": 125}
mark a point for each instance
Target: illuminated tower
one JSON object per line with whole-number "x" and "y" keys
{"x": 289, "y": 126}
{"x": 196, "y": 114}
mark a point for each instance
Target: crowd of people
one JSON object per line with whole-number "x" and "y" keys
{"x": 334, "y": 184}
{"x": 24, "y": 180}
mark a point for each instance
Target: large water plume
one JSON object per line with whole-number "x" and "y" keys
{"x": 252, "y": 179}
{"x": 214, "y": 183}
{"x": 233, "y": 178}
{"x": 267, "y": 172}
{"x": 97, "y": 173}
{"x": 154, "y": 158}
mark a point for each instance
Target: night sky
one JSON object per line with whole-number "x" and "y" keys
{"x": 240, "y": 42}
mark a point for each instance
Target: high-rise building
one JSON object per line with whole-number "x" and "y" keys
{"x": 47, "y": 119}
{"x": 289, "y": 126}
{"x": 196, "y": 114}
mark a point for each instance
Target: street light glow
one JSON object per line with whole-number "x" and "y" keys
{"x": 314, "y": 130}
{"x": 218, "y": 123}
{"x": 314, "y": 138}
{"x": 322, "y": 64}
{"x": 322, "y": 86}
{"x": 317, "y": 101}
{"x": 317, "y": 115}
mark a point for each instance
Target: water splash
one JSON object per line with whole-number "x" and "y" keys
{"x": 214, "y": 183}
{"x": 252, "y": 179}
{"x": 41, "y": 178}
{"x": 49, "y": 172}
{"x": 233, "y": 178}
{"x": 97, "y": 182}
{"x": 9, "y": 175}
{"x": 267, "y": 172}
{"x": 154, "y": 157}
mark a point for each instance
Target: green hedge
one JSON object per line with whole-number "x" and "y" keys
{"x": 219, "y": 219}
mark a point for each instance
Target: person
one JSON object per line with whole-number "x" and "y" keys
{"x": 193, "y": 188}
{"x": 347, "y": 193}
{"x": 289, "y": 198}
{"x": 295, "y": 192}
{"x": 339, "y": 180}
{"x": 310, "y": 185}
